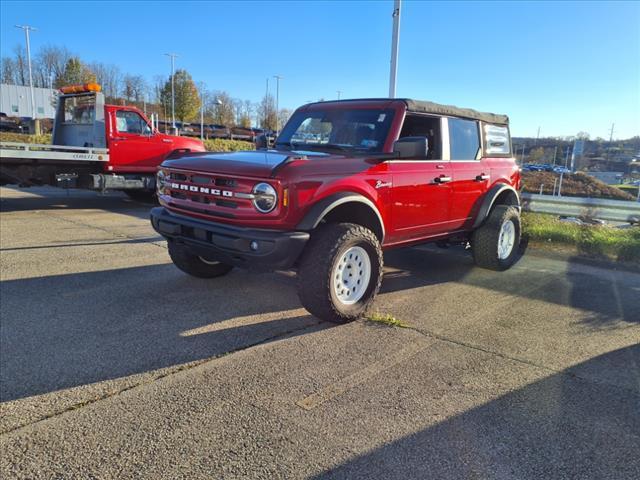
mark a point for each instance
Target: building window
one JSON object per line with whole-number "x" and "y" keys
{"x": 41, "y": 110}
{"x": 14, "y": 108}
{"x": 464, "y": 139}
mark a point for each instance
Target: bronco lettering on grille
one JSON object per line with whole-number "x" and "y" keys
{"x": 206, "y": 190}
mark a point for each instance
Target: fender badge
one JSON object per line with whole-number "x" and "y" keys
{"x": 381, "y": 184}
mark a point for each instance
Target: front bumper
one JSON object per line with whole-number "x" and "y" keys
{"x": 276, "y": 250}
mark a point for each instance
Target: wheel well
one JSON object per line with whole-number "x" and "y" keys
{"x": 356, "y": 212}
{"x": 507, "y": 197}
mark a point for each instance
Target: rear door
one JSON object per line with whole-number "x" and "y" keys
{"x": 471, "y": 176}
{"x": 134, "y": 147}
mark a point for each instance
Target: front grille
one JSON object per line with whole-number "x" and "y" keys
{"x": 200, "y": 192}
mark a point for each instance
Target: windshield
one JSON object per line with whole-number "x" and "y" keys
{"x": 339, "y": 129}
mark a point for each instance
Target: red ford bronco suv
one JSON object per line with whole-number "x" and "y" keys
{"x": 345, "y": 181}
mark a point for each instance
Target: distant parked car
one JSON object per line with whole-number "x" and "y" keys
{"x": 213, "y": 130}
{"x": 10, "y": 124}
{"x": 241, "y": 133}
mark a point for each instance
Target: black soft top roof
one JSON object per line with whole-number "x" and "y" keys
{"x": 420, "y": 106}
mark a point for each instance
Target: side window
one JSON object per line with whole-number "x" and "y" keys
{"x": 424, "y": 126}
{"x": 131, "y": 122}
{"x": 464, "y": 139}
{"x": 497, "y": 140}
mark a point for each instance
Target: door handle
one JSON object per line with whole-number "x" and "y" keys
{"x": 482, "y": 177}
{"x": 442, "y": 179}
{"x": 166, "y": 140}
{"x": 119, "y": 139}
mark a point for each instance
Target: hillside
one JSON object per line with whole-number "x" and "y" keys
{"x": 573, "y": 185}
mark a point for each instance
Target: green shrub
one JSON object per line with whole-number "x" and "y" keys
{"x": 222, "y": 145}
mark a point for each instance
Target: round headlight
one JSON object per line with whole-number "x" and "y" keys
{"x": 265, "y": 197}
{"x": 160, "y": 178}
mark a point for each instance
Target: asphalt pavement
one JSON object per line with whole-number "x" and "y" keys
{"x": 114, "y": 364}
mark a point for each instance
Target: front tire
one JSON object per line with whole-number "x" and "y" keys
{"x": 193, "y": 264}
{"x": 340, "y": 272}
{"x": 495, "y": 244}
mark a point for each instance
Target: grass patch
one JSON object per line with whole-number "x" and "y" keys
{"x": 223, "y": 145}
{"x": 385, "y": 319}
{"x": 594, "y": 241}
{"x": 44, "y": 139}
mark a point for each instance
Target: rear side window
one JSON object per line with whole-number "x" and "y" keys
{"x": 497, "y": 140}
{"x": 464, "y": 139}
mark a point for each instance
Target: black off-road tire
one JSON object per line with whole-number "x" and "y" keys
{"x": 327, "y": 244}
{"x": 193, "y": 264}
{"x": 484, "y": 240}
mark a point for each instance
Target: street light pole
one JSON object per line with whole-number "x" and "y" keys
{"x": 27, "y": 29}
{"x": 338, "y": 92}
{"x": 173, "y": 93}
{"x": 277, "y": 77}
{"x": 394, "y": 49}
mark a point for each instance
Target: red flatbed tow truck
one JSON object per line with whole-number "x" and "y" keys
{"x": 94, "y": 146}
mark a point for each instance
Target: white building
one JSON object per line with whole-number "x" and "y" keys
{"x": 15, "y": 101}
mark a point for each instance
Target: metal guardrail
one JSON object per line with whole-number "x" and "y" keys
{"x": 612, "y": 210}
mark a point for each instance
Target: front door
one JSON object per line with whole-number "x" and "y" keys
{"x": 421, "y": 198}
{"x": 133, "y": 145}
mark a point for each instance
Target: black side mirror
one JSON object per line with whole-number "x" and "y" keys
{"x": 411, "y": 147}
{"x": 261, "y": 142}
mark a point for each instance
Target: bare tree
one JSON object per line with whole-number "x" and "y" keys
{"x": 8, "y": 73}
{"x": 49, "y": 64}
{"x": 109, "y": 77}
{"x": 21, "y": 68}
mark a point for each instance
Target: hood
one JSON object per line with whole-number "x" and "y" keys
{"x": 259, "y": 163}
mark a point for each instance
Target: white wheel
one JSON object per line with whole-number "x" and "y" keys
{"x": 351, "y": 275}
{"x": 506, "y": 239}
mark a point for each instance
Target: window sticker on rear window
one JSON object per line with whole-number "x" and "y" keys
{"x": 381, "y": 117}
{"x": 369, "y": 143}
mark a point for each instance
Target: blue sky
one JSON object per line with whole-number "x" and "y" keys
{"x": 564, "y": 67}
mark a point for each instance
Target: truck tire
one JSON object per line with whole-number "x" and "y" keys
{"x": 193, "y": 264}
{"x": 340, "y": 272}
{"x": 495, "y": 243}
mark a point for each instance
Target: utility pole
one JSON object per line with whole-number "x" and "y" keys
{"x": 338, "y": 92}
{"x": 173, "y": 92}
{"x": 611, "y": 133}
{"x": 27, "y": 29}
{"x": 277, "y": 77}
{"x": 202, "y": 113}
{"x": 394, "y": 49}
{"x": 266, "y": 105}
{"x": 555, "y": 151}
{"x": 537, "y": 137}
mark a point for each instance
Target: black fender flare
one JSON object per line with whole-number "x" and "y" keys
{"x": 489, "y": 200}
{"x": 320, "y": 209}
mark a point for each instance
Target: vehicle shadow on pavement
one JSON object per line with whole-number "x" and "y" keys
{"x": 560, "y": 427}
{"x": 50, "y": 198}
{"x": 609, "y": 298}
{"x": 90, "y": 327}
